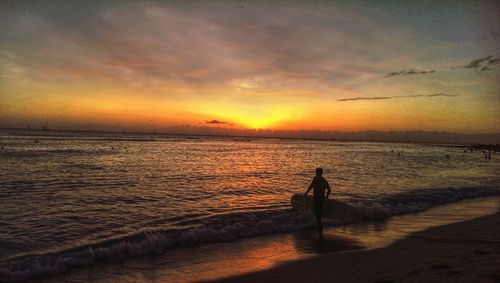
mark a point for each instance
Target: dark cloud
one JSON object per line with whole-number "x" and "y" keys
{"x": 399, "y": 96}
{"x": 406, "y": 72}
{"x": 368, "y": 98}
{"x": 493, "y": 61}
{"x": 441, "y": 94}
{"x": 475, "y": 64}
{"x": 217, "y": 122}
{"x": 482, "y": 64}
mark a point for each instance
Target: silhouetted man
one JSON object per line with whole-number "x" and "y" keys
{"x": 319, "y": 186}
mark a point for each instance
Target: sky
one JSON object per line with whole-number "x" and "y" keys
{"x": 281, "y": 65}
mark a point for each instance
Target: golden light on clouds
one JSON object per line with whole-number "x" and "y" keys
{"x": 323, "y": 66}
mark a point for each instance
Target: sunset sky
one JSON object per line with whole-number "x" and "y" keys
{"x": 291, "y": 65}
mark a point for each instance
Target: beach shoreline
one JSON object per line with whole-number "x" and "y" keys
{"x": 467, "y": 251}
{"x": 235, "y": 260}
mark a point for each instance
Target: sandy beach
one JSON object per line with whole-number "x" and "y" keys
{"x": 462, "y": 252}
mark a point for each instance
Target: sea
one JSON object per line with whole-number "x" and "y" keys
{"x": 85, "y": 200}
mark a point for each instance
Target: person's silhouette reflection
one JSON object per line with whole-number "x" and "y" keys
{"x": 319, "y": 185}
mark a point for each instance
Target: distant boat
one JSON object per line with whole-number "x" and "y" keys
{"x": 45, "y": 127}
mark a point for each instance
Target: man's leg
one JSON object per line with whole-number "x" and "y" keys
{"x": 318, "y": 213}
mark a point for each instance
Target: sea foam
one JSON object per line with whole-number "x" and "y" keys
{"x": 222, "y": 228}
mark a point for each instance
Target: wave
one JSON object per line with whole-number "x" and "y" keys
{"x": 412, "y": 201}
{"x": 225, "y": 227}
{"x": 218, "y": 228}
{"x": 419, "y": 200}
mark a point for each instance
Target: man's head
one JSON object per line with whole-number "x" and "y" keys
{"x": 319, "y": 171}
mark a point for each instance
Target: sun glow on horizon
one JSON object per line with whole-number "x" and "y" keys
{"x": 242, "y": 116}
{"x": 324, "y": 66}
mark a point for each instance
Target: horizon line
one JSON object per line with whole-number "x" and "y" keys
{"x": 393, "y": 140}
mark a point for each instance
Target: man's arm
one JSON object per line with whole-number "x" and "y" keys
{"x": 328, "y": 190}
{"x": 308, "y": 189}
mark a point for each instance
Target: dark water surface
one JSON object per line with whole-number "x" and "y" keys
{"x": 70, "y": 199}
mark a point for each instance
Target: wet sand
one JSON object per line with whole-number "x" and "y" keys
{"x": 461, "y": 252}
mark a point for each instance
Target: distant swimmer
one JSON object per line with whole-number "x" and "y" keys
{"x": 319, "y": 185}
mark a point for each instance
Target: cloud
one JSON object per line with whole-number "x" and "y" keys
{"x": 173, "y": 46}
{"x": 217, "y": 122}
{"x": 368, "y": 98}
{"x": 477, "y": 63}
{"x": 182, "y": 55}
{"x": 399, "y": 96}
{"x": 481, "y": 64}
{"x": 441, "y": 94}
{"x": 494, "y": 61}
{"x": 406, "y": 72}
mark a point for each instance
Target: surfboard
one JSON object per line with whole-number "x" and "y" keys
{"x": 333, "y": 209}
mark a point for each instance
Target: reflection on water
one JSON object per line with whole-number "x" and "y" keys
{"x": 308, "y": 242}
{"x": 86, "y": 189}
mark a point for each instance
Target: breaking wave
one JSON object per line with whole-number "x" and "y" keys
{"x": 225, "y": 227}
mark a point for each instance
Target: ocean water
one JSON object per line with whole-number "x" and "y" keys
{"x": 73, "y": 199}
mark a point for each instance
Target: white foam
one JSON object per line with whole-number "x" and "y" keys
{"x": 419, "y": 200}
{"x": 224, "y": 228}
